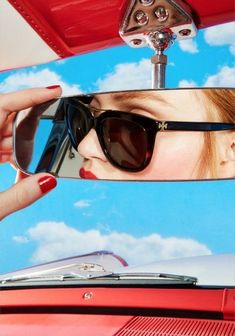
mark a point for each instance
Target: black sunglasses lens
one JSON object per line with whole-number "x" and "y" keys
{"x": 125, "y": 142}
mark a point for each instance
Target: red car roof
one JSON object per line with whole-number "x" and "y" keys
{"x": 74, "y": 27}
{"x": 68, "y": 28}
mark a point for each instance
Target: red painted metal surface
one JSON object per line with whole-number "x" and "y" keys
{"x": 61, "y": 324}
{"x": 51, "y": 312}
{"x": 74, "y": 27}
{"x": 207, "y": 300}
{"x": 110, "y": 325}
{"x": 165, "y": 326}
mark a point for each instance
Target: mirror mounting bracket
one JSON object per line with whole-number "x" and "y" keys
{"x": 157, "y": 24}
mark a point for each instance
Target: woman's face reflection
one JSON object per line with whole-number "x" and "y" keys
{"x": 176, "y": 154}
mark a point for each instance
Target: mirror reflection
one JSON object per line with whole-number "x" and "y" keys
{"x": 183, "y": 134}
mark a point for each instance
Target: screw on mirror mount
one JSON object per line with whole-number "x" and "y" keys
{"x": 157, "y": 24}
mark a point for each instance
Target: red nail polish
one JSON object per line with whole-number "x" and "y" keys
{"x": 51, "y": 87}
{"x": 47, "y": 183}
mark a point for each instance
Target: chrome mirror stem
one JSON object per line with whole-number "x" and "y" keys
{"x": 160, "y": 41}
{"x": 159, "y": 62}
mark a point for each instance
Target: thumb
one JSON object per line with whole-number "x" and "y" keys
{"x": 25, "y": 192}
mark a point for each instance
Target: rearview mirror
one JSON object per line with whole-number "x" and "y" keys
{"x": 182, "y": 134}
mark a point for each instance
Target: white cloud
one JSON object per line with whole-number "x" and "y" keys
{"x": 189, "y": 45}
{"x": 42, "y": 78}
{"x": 127, "y": 76}
{"x": 187, "y": 83}
{"x": 61, "y": 62}
{"x": 82, "y": 204}
{"x": 221, "y": 35}
{"x": 232, "y": 49}
{"x": 224, "y": 77}
{"x": 56, "y": 240}
{"x": 20, "y": 239}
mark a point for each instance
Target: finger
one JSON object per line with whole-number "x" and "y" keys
{"x": 6, "y": 145}
{"x": 6, "y": 158}
{"x": 7, "y": 127}
{"x": 7, "y": 130}
{"x": 25, "y": 193}
{"x": 20, "y": 175}
{"x": 24, "y": 99}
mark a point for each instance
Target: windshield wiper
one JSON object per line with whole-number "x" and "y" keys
{"x": 41, "y": 277}
{"x": 130, "y": 278}
{"x": 152, "y": 276}
{"x": 83, "y": 271}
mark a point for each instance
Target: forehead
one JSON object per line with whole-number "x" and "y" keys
{"x": 164, "y": 96}
{"x": 173, "y": 99}
{"x": 177, "y": 104}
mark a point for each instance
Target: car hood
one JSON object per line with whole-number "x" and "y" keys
{"x": 214, "y": 270}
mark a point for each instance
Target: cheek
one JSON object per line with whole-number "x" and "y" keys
{"x": 176, "y": 156}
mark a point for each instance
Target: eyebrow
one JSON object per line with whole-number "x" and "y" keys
{"x": 140, "y": 95}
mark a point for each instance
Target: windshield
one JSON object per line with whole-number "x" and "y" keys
{"x": 144, "y": 223}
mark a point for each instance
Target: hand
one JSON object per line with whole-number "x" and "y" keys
{"x": 26, "y": 190}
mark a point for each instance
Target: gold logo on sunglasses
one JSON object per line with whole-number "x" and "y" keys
{"x": 162, "y": 126}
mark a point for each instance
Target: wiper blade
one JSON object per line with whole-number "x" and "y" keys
{"x": 41, "y": 277}
{"x": 152, "y": 276}
{"x": 130, "y": 278}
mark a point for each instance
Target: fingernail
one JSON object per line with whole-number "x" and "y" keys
{"x": 47, "y": 183}
{"x": 51, "y": 87}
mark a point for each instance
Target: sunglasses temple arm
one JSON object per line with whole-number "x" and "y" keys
{"x": 196, "y": 126}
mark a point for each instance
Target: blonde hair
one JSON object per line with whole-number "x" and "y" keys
{"x": 220, "y": 107}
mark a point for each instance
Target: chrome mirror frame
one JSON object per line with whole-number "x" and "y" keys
{"x": 59, "y": 153}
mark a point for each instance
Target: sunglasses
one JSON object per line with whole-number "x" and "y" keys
{"x": 127, "y": 139}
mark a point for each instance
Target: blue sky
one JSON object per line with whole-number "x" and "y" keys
{"x": 142, "y": 222}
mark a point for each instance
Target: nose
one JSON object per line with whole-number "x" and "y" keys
{"x": 90, "y": 147}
